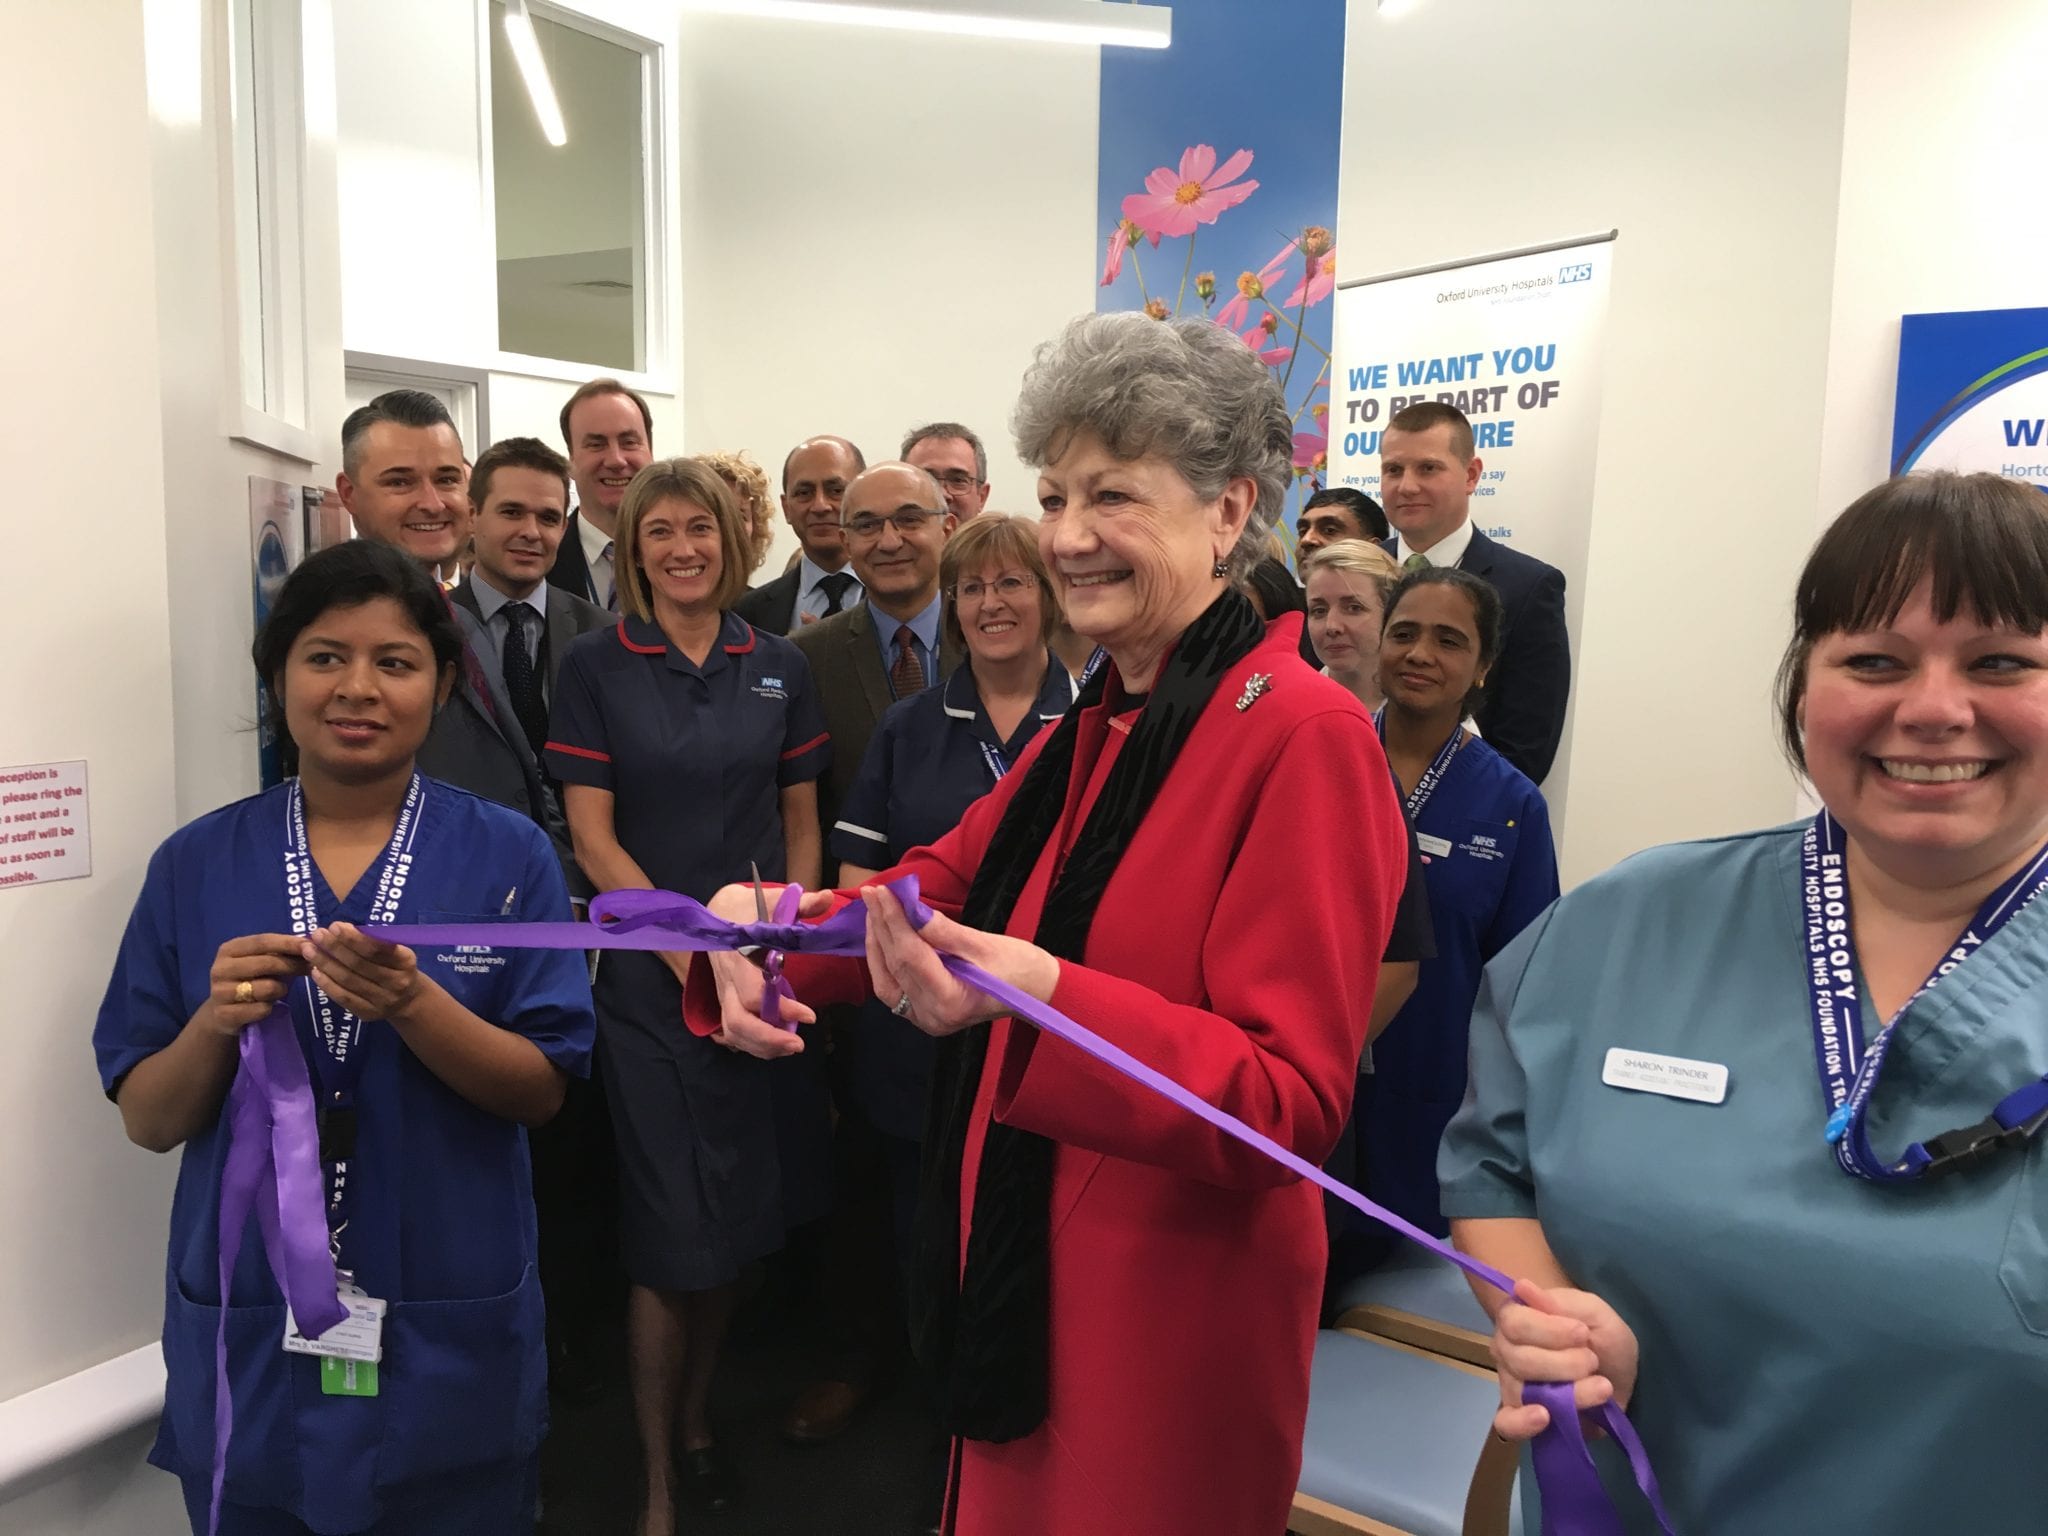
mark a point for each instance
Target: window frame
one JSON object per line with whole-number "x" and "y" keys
{"x": 622, "y": 23}
{"x": 262, "y": 176}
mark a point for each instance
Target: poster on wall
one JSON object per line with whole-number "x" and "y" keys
{"x": 277, "y": 531}
{"x": 1517, "y": 343}
{"x": 1220, "y": 202}
{"x": 1973, "y": 393}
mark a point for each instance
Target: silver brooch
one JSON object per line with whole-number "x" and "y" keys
{"x": 1254, "y": 686}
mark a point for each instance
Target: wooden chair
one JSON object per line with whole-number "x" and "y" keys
{"x": 1419, "y": 1299}
{"x": 1400, "y": 1442}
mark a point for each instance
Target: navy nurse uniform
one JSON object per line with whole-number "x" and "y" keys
{"x": 441, "y": 1222}
{"x": 932, "y": 756}
{"x": 1491, "y": 870}
{"x": 696, "y": 759}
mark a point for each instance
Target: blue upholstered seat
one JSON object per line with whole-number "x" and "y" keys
{"x": 1394, "y": 1435}
{"x": 1416, "y": 1281}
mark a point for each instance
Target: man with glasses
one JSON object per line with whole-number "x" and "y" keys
{"x": 889, "y": 645}
{"x": 955, "y": 458}
{"x": 814, "y": 479}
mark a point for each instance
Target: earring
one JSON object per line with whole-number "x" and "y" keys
{"x": 1218, "y": 569}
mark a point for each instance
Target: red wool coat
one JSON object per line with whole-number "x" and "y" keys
{"x": 1235, "y": 949}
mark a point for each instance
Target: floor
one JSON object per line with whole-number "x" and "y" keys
{"x": 868, "y": 1482}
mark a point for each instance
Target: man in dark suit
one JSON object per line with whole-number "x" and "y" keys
{"x": 609, "y": 433}
{"x": 888, "y": 646}
{"x": 815, "y": 474}
{"x": 405, "y": 483}
{"x": 1428, "y": 471}
{"x": 1334, "y": 513}
{"x": 520, "y": 626}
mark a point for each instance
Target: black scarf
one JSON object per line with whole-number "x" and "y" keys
{"x": 983, "y": 1334}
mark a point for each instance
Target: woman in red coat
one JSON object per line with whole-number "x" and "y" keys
{"x": 1118, "y": 1303}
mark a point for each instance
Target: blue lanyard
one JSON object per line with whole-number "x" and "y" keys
{"x": 993, "y": 756}
{"x": 1433, "y": 775}
{"x": 338, "y": 1030}
{"x": 1849, "y": 1071}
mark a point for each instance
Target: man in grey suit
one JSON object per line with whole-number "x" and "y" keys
{"x": 887, "y": 646}
{"x": 814, "y": 479}
{"x": 405, "y": 483}
{"x": 520, "y": 626}
{"x": 520, "y": 488}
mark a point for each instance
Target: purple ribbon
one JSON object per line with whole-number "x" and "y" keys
{"x": 1575, "y": 1503}
{"x": 273, "y": 1168}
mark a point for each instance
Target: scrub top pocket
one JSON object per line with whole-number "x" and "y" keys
{"x": 1472, "y": 878}
{"x": 263, "y": 1451}
{"x": 466, "y": 1382}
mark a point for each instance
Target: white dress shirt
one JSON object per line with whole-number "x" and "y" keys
{"x": 603, "y": 572}
{"x": 1448, "y": 550}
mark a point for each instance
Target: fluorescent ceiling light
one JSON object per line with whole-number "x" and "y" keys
{"x": 533, "y": 69}
{"x": 1393, "y": 8}
{"x": 1040, "y": 21}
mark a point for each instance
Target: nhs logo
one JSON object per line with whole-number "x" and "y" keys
{"x": 1582, "y": 273}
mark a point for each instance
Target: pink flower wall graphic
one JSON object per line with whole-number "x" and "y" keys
{"x": 1174, "y": 203}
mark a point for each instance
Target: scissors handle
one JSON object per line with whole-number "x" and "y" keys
{"x": 775, "y": 989}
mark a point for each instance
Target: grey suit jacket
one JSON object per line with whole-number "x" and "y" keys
{"x": 476, "y": 743}
{"x": 846, "y": 668}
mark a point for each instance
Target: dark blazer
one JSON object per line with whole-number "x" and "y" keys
{"x": 1522, "y": 713}
{"x": 476, "y": 744}
{"x": 571, "y": 571}
{"x": 771, "y": 607}
{"x": 846, "y": 666}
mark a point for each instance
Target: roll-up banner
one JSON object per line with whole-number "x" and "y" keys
{"x": 1514, "y": 340}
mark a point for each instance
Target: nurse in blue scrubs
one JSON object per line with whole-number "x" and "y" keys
{"x": 438, "y": 1061}
{"x": 689, "y": 745}
{"x": 1484, "y": 833}
{"x": 931, "y": 757}
{"x": 1818, "y": 1319}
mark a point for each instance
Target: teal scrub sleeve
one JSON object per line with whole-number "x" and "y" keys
{"x": 1482, "y": 1165}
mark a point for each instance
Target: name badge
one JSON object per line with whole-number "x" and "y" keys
{"x": 359, "y": 1336}
{"x": 1676, "y": 1077}
{"x": 1433, "y": 847}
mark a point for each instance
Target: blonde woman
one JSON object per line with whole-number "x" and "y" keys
{"x": 688, "y": 745}
{"x": 748, "y": 483}
{"x": 1348, "y": 583}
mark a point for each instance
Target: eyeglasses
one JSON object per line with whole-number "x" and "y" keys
{"x": 908, "y": 524}
{"x": 1008, "y": 588}
{"x": 956, "y": 479}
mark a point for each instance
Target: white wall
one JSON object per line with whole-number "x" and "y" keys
{"x": 1942, "y": 160}
{"x": 880, "y": 228}
{"x": 1711, "y": 136}
{"x": 417, "y": 209}
{"x": 88, "y": 674}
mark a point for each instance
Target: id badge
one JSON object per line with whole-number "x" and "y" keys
{"x": 359, "y": 1337}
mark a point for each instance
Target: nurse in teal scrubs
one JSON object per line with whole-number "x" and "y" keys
{"x": 1487, "y": 862}
{"x": 1729, "y": 1102}
{"x": 439, "y": 1059}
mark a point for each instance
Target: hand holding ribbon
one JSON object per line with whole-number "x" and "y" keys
{"x": 1575, "y": 1502}
{"x": 1559, "y": 1335}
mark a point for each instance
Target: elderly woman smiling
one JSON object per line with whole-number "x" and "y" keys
{"x": 1118, "y": 1303}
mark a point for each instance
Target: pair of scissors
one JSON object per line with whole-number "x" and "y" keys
{"x": 774, "y": 989}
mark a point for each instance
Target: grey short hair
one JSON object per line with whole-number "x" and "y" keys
{"x": 1185, "y": 389}
{"x": 413, "y": 408}
{"x": 942, "y": 431}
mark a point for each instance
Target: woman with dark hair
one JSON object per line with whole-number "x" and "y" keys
{"x": 1487, "y": 861}
{"x": 425, "y": 1068}
{"x": 1273, "y": 589}
{"x": 1713, "y": 1090}
{"x": 1116, "y": 1304}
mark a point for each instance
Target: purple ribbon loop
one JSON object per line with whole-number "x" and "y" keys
{"x": 272, "y": 1171}
{"x": 1575, "y": 1503}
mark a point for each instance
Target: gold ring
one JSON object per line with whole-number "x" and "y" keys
{"x": 245, "y": 991}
